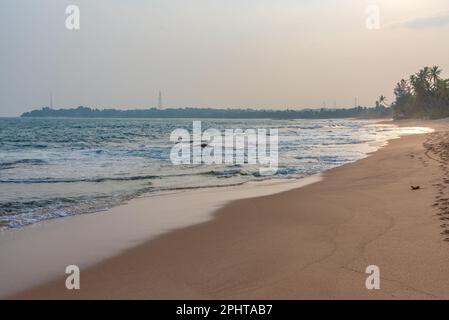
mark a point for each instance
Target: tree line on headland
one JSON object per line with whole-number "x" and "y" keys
{"x": 379, "y": 111}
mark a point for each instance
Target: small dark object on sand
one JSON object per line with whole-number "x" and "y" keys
{"x": 415, "y": 188}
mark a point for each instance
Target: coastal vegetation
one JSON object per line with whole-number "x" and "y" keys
{"x": 380, "y": 111}
{"x": 424, "y": 95}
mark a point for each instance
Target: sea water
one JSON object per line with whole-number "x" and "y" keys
{"x": 52, "y": 168}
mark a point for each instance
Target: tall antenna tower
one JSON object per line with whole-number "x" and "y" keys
{"x": 51, "y": 100}
{"x": 159, "y": 100}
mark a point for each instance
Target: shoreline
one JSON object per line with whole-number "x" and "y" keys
{"x": 44, "y": 249}
{"x": 172, "y": 289}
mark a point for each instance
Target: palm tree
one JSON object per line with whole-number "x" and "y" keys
{"x": 421, "y": 84}
{"x": 426, "y": 94}
{"x": 421, "y": 88}
{"x": 434, "y": 74}
{"x": 424, "y": 77}
{"x": 382, "y": 100}
{"x": 442, "y": 88}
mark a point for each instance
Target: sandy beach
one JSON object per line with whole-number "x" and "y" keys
{"x": 313, "y": 242}
{"x": 182, "y": 151}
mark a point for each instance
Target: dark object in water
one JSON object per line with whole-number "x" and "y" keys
{"x": 203, "y": 144}
{"x": 415, "y": 188}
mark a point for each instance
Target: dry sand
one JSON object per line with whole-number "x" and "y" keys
{"x": 309, "y": 243}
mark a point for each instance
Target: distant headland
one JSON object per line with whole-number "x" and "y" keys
{"x": 424, "y": 94}
{"x": 379, "y": 111}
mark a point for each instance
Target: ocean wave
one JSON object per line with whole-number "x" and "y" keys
{"x": 63, "y": 180}
{"x": 307, "y": 127}
{"x": 13, "y": 164}
{"x": 17, "y": 214}
{"x": 12, "y": 207}
{"x": 217, "y": 173}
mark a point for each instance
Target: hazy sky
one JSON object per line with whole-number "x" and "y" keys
{"x": 217, "y": 53}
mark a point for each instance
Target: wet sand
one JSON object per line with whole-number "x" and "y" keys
{"x": 39, "y": 253}
{"x": 313, "y": 242}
